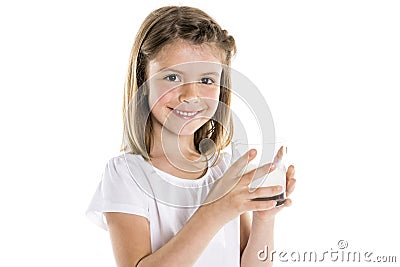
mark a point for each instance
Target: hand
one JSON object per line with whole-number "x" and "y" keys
{"x": 230, "y": 196}
{"x": 267, "y": 215}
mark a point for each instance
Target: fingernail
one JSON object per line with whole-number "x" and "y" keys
{"x": 252, "y": 152}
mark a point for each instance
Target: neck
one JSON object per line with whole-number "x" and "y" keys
{"x": 178, "y": 151}
{"x": 166, "y": 143}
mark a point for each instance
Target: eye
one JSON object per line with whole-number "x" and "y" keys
{"x": 206, "y": 81}
{"x": 172, "y": 78}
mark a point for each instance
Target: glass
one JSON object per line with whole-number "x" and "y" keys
{"x": 266, "y": 153}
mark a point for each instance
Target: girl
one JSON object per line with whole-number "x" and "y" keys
{"x": 174, "y": 198}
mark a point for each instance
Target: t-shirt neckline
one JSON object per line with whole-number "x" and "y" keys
{"x": 172, "y": 178}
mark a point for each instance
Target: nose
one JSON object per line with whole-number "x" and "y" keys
{"x": 189, "y": 93}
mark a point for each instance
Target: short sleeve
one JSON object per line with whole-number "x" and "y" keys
{"x": 117, "y": 192}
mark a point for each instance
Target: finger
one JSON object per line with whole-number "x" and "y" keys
{"x": 238, "y": 167}
{"x": 287, "y": 203}
{"x": 290, "y": 186}
{"x": 290, "y": 181}
{"x": 264, "y": 192}
{"x": 290, "y": 172}
{"x": 231, "y": 177}
{"x": 279, "y": 154}
{"x": 258, "y": 173}
{"x": 260, "y": 205}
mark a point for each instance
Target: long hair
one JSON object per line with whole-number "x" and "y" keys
{"x": 161, "y": 27}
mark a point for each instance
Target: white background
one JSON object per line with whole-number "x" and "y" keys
{"x": 329, "y": 71}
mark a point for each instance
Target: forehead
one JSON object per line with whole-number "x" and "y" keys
{"x": 182, "y": 53}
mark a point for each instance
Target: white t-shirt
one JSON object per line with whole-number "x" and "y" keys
{"x": 132, "y": 185}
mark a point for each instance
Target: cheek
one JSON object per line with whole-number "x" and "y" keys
{"x": 160, "y": 95}
{"x": 212, "y": 98}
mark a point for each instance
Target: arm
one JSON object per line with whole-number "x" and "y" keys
{"x": 130, "y": 236}
{"x": 262, "y": 229}
{"x": 261, "y": 235}
{"x": 245, "y": 226}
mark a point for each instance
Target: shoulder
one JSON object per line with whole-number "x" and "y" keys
{"x": 123, "y": 165}
{"x": 119, "y": 191}
{"x": 125, "y": 173}
{"x": 124, "y": 159}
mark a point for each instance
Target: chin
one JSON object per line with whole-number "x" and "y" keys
{"x": 191, "y": 127}
{"x": 187, "y": 130}
{"x": 184, "y": 130}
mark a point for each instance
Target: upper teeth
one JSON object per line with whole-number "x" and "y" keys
{"x": 184, "y": 113}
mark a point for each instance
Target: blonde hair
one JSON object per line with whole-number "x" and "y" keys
{"x": 161, "y": 27}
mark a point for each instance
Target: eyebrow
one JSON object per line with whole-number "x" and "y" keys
{"x": 212, "y": 73}
{"x": 180, "y": 72}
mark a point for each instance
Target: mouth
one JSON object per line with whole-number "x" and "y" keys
{"x": 186, "y": 114}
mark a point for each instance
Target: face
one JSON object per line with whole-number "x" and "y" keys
{"x": 184, "y": 87}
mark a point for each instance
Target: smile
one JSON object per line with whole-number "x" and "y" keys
{"x": 186, "y": 114}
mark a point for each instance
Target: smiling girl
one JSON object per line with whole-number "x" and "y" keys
{"x": 174, "y": 198}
